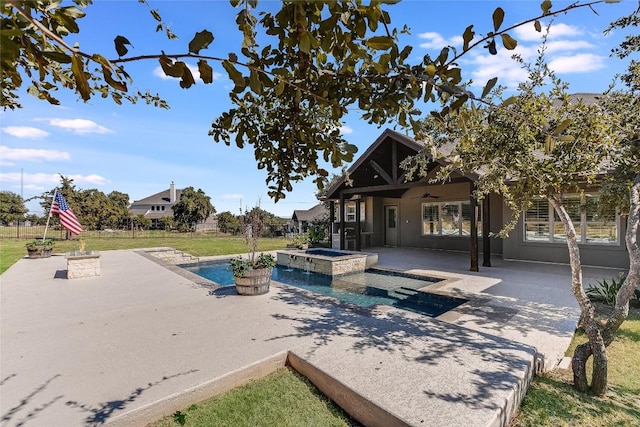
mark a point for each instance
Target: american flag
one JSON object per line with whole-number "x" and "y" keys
{"x": 67, "y": 217}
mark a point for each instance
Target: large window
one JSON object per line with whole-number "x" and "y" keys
{"x": 449, "y": 219}
{"x": 592, "y": 224}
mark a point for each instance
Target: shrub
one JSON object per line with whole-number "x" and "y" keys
{"x": 605, "y": 291}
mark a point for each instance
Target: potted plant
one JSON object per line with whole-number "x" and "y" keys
{"x": 40, "y": 248}
{"x": 252, "y": 275}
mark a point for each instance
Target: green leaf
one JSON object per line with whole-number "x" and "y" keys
{"x": 254, "y": 82}
{"x": 206, "y": 72}
{"x": 562, "y": 127}
{"x": 546, "y": 7}
{"x": 509, "y": 101}
{"x": 498, "y": 17}
{"x": 121, "y": 43}
{"x": 234, "y": 74}
{"x": 487, "y": 88}
{"x": 467, "y": 36}
{"x": 82, "y": 85}
{"x": 168, "y": 66}
{"x": 187, "y": 78}
{"x": 305, "y": 42}
{"x": 118, "y": 85}
{"x": 537, "y": 26}
{"x": 59, "y": 57}
{"x": 379, "y": 42}
{"x": 200, "y": 41}
{"x": 279, "y": 88}
{"x": 508, "y": 42}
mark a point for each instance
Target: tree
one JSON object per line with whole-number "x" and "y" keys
{"x": 539, "y": 144}
{"x": 318, "y": 59}
{"x": 193, "y": 207}
{"x": 12, "y": 207}
{"x": 228, "y": 223}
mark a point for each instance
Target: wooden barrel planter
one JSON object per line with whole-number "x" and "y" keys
{"x": 254, "y": 282}
{"x": 40, "y": 252}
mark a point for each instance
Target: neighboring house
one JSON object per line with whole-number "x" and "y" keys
{"x": 381, "y": 209}
{"x": 301, "y": 219}
{"x": 159, "y": 206}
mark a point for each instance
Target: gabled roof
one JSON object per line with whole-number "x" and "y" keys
{"x": 315, "y": 213}
{"x": 377, "y": 170}
{"x": 161, "y": 198}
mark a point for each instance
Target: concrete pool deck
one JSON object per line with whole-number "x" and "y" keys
{"x": 122, "y": 347}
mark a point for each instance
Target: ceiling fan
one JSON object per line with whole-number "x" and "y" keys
{"x": 426, "y": 195}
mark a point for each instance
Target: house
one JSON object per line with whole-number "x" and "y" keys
{"x": 301, "y": 219}
{"x": 160, "y": 206}
{"x": 382, "y": 208}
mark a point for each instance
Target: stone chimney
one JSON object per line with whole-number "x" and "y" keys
{"x": 172, "y": 193}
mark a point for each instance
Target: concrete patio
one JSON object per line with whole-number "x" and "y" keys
{"x": 140, "y": 340}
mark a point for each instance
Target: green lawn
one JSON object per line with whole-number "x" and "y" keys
{"x": 281, "y": 399}
{"x": 11, "y": 250}
{"x": 552, "y": 401}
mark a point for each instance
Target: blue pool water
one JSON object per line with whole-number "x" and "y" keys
{"x": 371, "y": 287}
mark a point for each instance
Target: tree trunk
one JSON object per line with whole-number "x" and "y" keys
{"x": 595, "y": 347}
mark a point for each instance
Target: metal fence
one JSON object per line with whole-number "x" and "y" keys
{"x": 37, "y": 232}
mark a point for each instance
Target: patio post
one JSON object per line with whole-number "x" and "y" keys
{"x": 486, "y": 242}
{"x": 342, "y": 224}
{"x": 358, "y": 242}
{"x": 332, "y": 218}
{"x": 473, "y": 229}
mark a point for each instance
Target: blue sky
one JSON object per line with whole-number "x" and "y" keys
{"x": 140, "y": 150}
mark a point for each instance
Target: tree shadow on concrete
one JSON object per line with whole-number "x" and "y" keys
{"x": 383, "y": 328}
{"x": 25, "y": 401}
{"x": 104, "y": 411}
{"x": 420, "y": 340}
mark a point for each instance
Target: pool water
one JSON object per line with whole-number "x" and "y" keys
{"x": 371, "y": 287}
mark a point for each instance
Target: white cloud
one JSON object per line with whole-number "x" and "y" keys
{"x": 194, "y": 71}
{"x": 580, "y": 63}
{"x": 10, "y": 155}
{"x": 40, "y": 181}
{"x": 79, "y": 126}
{"x": 528, "y": 32}
{"x": 346, "y": 130}
{"x": 25, "y": 132}
{"x": 232, "y": 196}
{"x": 437, "y": 41}
{"x": 568, "y": 46}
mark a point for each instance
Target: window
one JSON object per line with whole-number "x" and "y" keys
{"x": 350, "y": 212}
{"x": 449, "y": 219}
{"x": 592, "y": 224}
{"x": 153, "y": 208}
{"x": 430, "y": 219}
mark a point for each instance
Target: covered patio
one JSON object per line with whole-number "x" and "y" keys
{"x": 377, "y": 205}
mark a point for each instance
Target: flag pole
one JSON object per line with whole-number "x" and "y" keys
{"x": 46, "y": 227}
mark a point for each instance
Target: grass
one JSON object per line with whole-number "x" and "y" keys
{"x": 552, "y": 401}
{"x": 283, "y": 398}
{"x": 11, "y": 250}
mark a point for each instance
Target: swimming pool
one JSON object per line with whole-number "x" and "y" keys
{"x": 365, "y": 289}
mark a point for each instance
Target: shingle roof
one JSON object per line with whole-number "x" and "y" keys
{"x": 315, "y": 213}
{"x": 158, "y": 198}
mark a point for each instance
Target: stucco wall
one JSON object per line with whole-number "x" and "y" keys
{"x": 410, "y": 218}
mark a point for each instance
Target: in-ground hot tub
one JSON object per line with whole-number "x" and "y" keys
{"x": 332, "y": 262}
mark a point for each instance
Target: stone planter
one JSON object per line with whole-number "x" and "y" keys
{"x": 254, "y": 282}
{"x": 40, "y": 251}
{"x": 83, "y": 264}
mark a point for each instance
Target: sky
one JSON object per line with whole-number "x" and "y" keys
{"x": 139, "y": 150}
